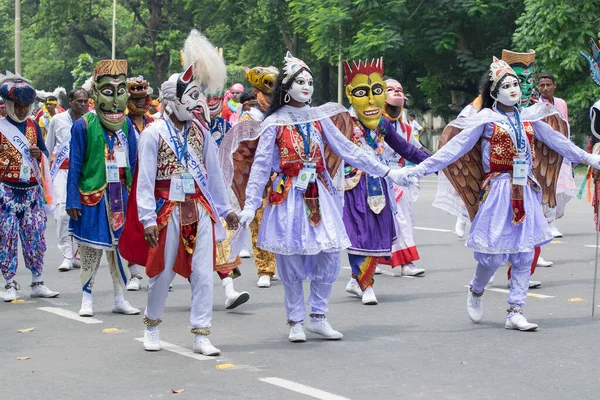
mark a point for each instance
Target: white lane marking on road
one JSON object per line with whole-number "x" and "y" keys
{"x": 593, "y": 246}
{"x": 390, "y": 274}
{"x": 303, "y": 389}
{"x": 421, "y": 228}
{"x": 182, "y": 351}
{"x": 70, "y": 314}
{"x": 535, "y": 295}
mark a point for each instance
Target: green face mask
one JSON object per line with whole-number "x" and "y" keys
{"x": 526, "y": 82}
{"x": 111, "y": 97}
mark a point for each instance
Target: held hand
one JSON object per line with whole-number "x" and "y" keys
{"x": 151, "y": 235}
{"x": 246, "y": 217}
{"x": 232, "y": 221}
{"x": 593, "y": 160}
{"x": 401, "y": 176}
{"x": 74, "y": 213}
{"x": 35, "y": 152}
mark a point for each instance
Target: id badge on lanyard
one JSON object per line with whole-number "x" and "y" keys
{"x": 520, "y": 171}
{"x": 112, "y": 172}
{"x": 120, "y": 156}
{"x": 188, "y": 183}
{"x": 25, "y": 173}
{"x": 307, "y": 175}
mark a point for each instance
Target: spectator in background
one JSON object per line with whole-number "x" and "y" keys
{"x": 232, "y": 98}
{"x": 2, "y": 108}
{"x": 416, "y": 128}
{"x": 547, "y": 87}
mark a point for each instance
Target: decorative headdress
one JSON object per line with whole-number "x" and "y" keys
{"x": 525, "y": 59}
{"x": 138, "y": 87}
{"x": 292, "y": 65}
{"x": 367, "y": 67}
{"x": 203, "y": 63}
{"x": 498, "y": 70}
{"x": 594, "y": 61}
{"x": 262, "y": 78}
{"x": 17, "y": 89}
{"x": 110, "y": 67}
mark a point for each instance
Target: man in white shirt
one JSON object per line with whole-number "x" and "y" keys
{"x": 57, "y": 142}
{"x": 416, "y": 128}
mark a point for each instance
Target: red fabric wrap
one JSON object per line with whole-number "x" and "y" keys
{"x": 65, "y": 164}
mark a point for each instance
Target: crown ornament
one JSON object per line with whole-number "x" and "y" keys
{"x": 498, "y": 70}
{"x": 367, "y": 67}
{"x": 292, "y": 65}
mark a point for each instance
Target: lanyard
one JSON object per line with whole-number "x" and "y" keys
{"x": 518, "y": 132}
{"x": 180, "y": 150}
{"x": 305, "y": 139}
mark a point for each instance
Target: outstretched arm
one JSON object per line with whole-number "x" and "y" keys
{"x": 216, "y": 183}
{"x": 557, "y": 142}
{"x": 401, "y": 146}
{"x": 457, "y": 147}
{"x": 261, "y": 169}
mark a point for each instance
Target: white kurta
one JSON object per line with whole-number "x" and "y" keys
{"x": 59, "y": 133}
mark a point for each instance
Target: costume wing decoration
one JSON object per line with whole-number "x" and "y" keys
{"x": 343, "y": 121}
{"x": 236, "y": 155}
{"x": 546, "y": 166}
{"x": 466, "y": 174}
{"x": 593, "y": 60}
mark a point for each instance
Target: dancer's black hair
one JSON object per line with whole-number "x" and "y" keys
{"x": 487, "y": 101}
{"x": 278, "y": 95}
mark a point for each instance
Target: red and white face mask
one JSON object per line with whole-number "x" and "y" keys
{"x": 395, "y": 93}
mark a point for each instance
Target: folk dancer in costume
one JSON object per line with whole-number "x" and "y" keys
{"x": 302, "y": 222}
{"x": 58, "y": 143}
{"x": 138, "y": 107}
{"x": 21, "y": 189}
{"x": 262, "y": 80}
{"x": 506, "y": 141}
{"x": 369, "y": 202}
{"x": 101, "y": 161}
{"x": 224, "y": 267}
{"x": 566, "y": 183}
{"x": 404, "y": 250}
{"x": 181, "y": 194}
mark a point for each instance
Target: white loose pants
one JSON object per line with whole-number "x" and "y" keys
{"x": 201, "y": 279}
{"x": 65, "y": 243}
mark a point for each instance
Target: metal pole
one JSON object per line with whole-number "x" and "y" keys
{"x": 340, "y": 96}
{"x": 114, "y": 29}
{"x": 596, "y": 264}
{"x": 18, "y": 37}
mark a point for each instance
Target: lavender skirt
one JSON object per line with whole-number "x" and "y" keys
{"x": 370, "y": 234}
{"x": 493, "y": 231}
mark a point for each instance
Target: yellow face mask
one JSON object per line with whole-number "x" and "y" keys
{"x": 366, "y": 94}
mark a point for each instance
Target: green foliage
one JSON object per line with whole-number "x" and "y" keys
{"x": 558, "y": 30}
{"x": 83, "y": 70}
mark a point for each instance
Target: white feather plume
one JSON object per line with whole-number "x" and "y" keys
{"x": 87, "y": 85}
{"x": 209, "y": 67}
{"x": 59, "y": 90}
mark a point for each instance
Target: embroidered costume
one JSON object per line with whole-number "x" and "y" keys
{"x": 21, "y": 189}
{"x": 102, "y": 158}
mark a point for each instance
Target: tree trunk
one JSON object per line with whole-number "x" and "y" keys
{"x": 323, "y": 84}
{"x": 155, "y": 23}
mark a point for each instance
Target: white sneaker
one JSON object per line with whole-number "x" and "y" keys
{"x": 134, "y": 284}
{"x": 236, "y": 299}
{"x": 378, "y": 270}
{"x": 555, "y": 232}
{"x": 491, "y": 281}
{"x": 203, "y": 346}
{"x": 322, "y": 327}
{"x": 543, "y": 263}
{"x": 151, "y": 340}
{"x": 297, "y": 334}
{"x": 411, "y": 270}
{"x": 244, "y": 253}
{"x": 275, "y": 278}
{"x": 459, "y": 228}
{"x": 368, "y": 297}
{"x": 519, "y": 322}
{"x": 474, "y": 307}
{"x": 170, "y": 288}
{"x": 10, "y": 293}
{"x": 87, "y": 309}
{"x": 264, "y": 281}
{"x": 123, "y": 307}
{"x": 353, "y": 288}
{"x": 76, "y": 263}
{"x": 65, "y": 266}
{"x": 40, "y": 290}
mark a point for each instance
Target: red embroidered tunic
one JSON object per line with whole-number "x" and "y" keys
{"x": 9, "y": 153}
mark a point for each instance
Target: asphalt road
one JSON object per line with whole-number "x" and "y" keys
{"x": 418, "y": 343}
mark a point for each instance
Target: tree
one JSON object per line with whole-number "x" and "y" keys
{"x": 558, "y": 30}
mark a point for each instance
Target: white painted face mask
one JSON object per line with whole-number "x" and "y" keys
{"x": 302, "y": 88}
{"x": 509, "y": 92}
